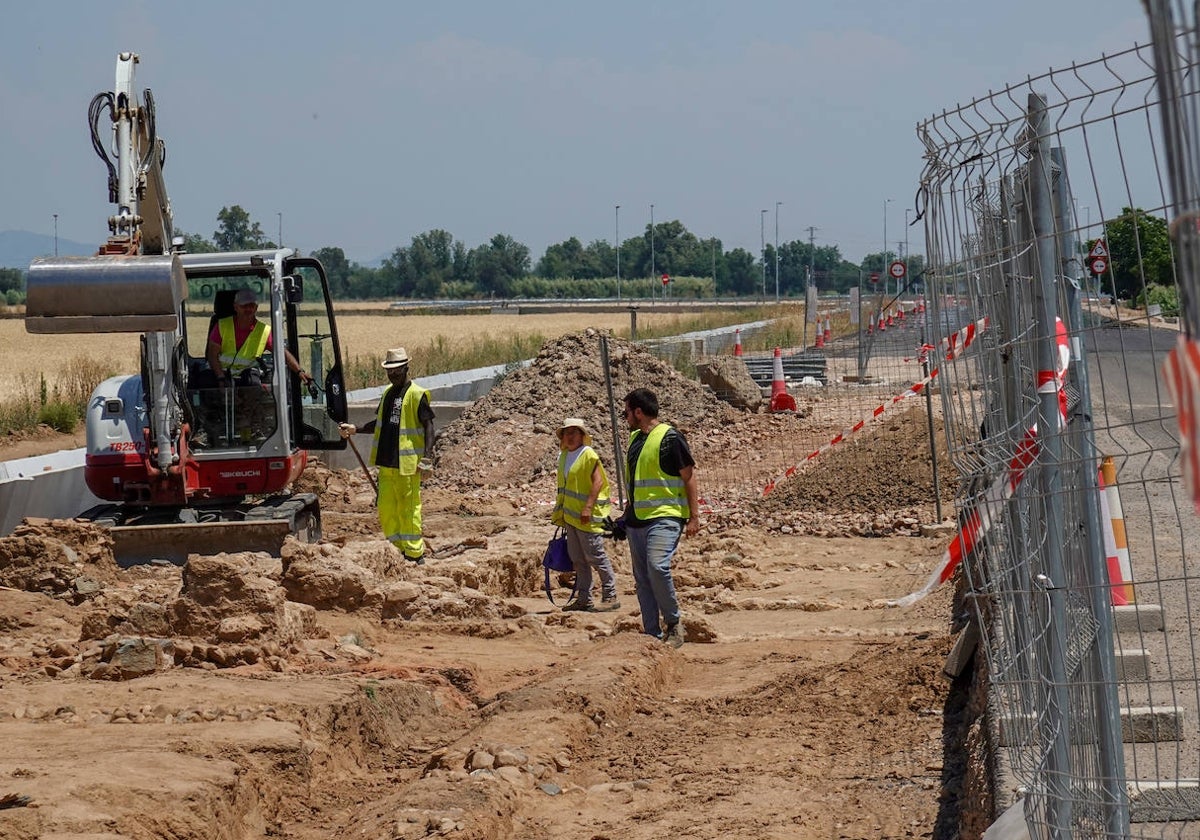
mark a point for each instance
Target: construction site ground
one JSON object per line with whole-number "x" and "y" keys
{"x": 338, "y": 691}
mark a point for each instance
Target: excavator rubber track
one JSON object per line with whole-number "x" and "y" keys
{"x": 159, "y": 536}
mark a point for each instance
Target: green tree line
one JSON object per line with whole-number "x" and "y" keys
{"x": 436, "y": 265}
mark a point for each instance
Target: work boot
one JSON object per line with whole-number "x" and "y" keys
{"x": 609, "y": 604}
{"x": 416, "y": 561}
{"x": 673, "y": 635}
{"x": 579, "y": 606}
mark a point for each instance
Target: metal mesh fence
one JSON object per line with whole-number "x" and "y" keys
{"x": 846, "y": 387}
{"x": 1044, "y": 217}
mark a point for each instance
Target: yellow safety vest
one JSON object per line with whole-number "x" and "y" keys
{"x": 236, "y": 359}
{"x": 656, "y": 495}
{"x": 574, "y": 489}
{"x": 412, "y": 433}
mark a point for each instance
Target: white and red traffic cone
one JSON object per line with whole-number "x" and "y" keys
{"x": 828, "y": 330}
{"x": 781, "y": 400}
{"x": 890, "y": 319}
{"x": 820, "y": 342}
{"x": 737, "y": 342}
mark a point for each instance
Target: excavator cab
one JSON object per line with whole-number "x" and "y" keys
{"x": 265, "y": 406}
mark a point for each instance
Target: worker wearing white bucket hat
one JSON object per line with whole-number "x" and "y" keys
{"x": 580, "y": 508}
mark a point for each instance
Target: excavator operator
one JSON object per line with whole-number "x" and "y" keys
{"x": 236, "y": 345}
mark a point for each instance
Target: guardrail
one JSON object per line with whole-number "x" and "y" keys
{"x": 796, "y": 366}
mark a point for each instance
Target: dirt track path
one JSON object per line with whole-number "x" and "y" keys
{"x": 815, "y": 714}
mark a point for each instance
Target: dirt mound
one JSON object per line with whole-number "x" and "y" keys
{"x": 882, "y": 471}
{"x": 57, "y": 557}
{"x": 507, "y": 436}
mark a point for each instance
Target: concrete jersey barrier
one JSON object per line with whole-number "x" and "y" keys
{"x": 52, "y": 486}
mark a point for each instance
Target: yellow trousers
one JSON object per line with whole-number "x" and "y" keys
{"x": 400, "y": 511}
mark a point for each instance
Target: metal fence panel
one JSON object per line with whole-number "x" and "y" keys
{"x": 1082, "y": 589}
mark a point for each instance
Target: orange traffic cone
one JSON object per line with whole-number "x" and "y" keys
{"x": 781, "y": 400}
{"x": 890, "y": 320}
{"x": 1122, "y": 576}
{"x": 737, "y": 342}
{"x": 820, "y": 342}
{"x": 870, "y": 327}
{"x": 882, "y": 323}
{"x": 828, "y": 330}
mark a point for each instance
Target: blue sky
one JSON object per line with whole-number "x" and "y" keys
{"x": 365, "y": 123}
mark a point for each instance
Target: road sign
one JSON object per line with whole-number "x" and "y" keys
{"x": 874, "y": 276}
{"x": 1098, "y": 265}
{"x": 666, "y": 278}
{"x": 897, "y": 269}
{"x": 1099, "y": 250}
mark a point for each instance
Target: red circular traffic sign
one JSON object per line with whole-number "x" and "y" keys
{"x": 1099, "y": 265}
{"x": 897, "y": 269}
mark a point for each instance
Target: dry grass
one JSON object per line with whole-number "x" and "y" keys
{"x": 57, "y": 356}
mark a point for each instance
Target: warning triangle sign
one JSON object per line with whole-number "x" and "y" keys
{"x": 1100, "y": 249}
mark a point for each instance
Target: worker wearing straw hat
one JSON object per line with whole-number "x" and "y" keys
{"x": 580, "y": 509}
{"x": 402, "y": 449}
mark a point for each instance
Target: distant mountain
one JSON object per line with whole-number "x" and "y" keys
{"x": 19, "y": 247}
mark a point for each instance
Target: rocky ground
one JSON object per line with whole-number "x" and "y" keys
{"x": 337, "y": 691}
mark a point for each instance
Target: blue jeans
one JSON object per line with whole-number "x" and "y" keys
{"x": 652, "y": 549}
{"x": 587, "y": 552}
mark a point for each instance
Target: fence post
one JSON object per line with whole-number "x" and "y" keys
{"x": 1095, "y": 566}
{"x": 1056, "y": 721}
{"x": 618, "y": 451}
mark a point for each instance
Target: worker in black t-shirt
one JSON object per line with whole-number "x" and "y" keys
{"x": 402, "y": 449}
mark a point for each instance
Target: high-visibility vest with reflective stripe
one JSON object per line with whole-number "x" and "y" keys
{"x": 656, "y": 495}
{"x": 412, "y": 434}
{"x": 574, "y": 491}
{"x": 236, "y": 359}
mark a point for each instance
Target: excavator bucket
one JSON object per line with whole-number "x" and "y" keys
{"x": 104, "y": 294}
{"x": 137, "y": 544}
{"x": 155, "y": 536}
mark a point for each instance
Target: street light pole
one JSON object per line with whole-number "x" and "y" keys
{"x": 762, "y": 249}
{"x": 883, "y": 256}
{"x": 56, "y": 234}
{"x": 280, "y": 215}
{"x": 617, "y": 238}
{"x": 777, "y": 203}
{"x": 907, "y": 210}
{"x": 652, "y": 250}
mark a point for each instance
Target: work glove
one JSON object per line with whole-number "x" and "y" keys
{"x": 425, "y": 467}
{"x": 347, "y": 430}
{"x": 614, "y": 528}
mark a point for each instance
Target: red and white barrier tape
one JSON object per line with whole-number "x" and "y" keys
{"x": 979, "y": 521}
{"x": 955, "y": 345}
{"x": 1181, "y": 370}
{"x": 982, "y": 516}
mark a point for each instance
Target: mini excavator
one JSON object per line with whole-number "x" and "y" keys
{"x": 183, "y": 462}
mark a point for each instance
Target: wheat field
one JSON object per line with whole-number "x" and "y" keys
{"x": 29, "y": 357}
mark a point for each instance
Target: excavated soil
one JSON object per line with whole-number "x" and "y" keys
{"x": 338, "y": 691}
